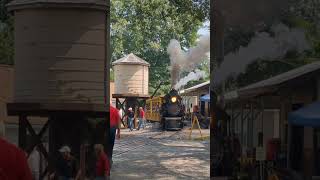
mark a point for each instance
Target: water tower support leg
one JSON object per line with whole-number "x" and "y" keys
{"x": 120, "y": 105}
{"x": 22, "y": 131}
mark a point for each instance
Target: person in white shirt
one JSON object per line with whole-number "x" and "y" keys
{"x": 34, "y": 163}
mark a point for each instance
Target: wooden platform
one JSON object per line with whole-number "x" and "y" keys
{"x": 128, "y": 95}
{"x": 45, "y": 109}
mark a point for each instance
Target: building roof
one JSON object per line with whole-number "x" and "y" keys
{"x": 194, "y": 88}
{"x": 273, "y": 83}
{"x": 23, "y": 4}
{"x": 131, "y": 59}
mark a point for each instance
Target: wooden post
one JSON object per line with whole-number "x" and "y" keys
{"x": 241, "y": 124}
{"x": 218, "y": 53}
{"x": 232, "y": 119}
{"x": 52, "y": 141}
{"x": 250, "y": 126}
{"x": 22, "y": 131}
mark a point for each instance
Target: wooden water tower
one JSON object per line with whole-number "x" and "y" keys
{"x": 131, "y": 75}
{"x": 61, "y": 52}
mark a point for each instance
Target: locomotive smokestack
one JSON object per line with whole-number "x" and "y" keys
{"x": 174, "y": 74}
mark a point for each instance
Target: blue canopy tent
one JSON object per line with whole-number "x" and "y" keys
{"x": 205, "y": 98}
{"x": 306, "y": 116}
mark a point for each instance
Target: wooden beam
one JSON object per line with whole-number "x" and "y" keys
{"x": 120, "y": 106}
{"x": 36, "y": 138}
{"x": 44, "y": 109}
{"x": 22, "y": 132}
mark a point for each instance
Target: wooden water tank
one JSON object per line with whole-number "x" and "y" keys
{"x": 60, "y": 50}
{"x": 131, "y": 75}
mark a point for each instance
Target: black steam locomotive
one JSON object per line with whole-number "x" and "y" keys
{"x": 172, "y": 111}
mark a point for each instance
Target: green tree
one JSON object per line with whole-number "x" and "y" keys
{"x": 145, "y": 28}
{"x": 6, "y": 35}
{"x": 300, "y": 14}
{"x": 111, "y": 75}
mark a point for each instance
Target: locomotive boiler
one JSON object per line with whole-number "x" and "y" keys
{"x": 168, "y": 110}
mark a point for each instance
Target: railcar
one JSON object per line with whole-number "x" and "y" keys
{"x": 168, "y": 110}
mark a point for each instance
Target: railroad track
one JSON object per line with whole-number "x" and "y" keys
{"x": 132, "y": 143}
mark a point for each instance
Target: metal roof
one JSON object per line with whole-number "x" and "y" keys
{"x": 272, "y": 83}
{"x": 131, "y": 59}
{"x": 193, "y": 88}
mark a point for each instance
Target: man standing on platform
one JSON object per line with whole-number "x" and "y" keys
{"x": 114, "y": 126}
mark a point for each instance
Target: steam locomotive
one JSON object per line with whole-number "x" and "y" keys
{"x": 168, "y": 110}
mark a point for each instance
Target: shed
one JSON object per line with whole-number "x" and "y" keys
{"x": 192, "y": 96}
{"x": 283, "y": 93}
{"x": 273, "y": 84}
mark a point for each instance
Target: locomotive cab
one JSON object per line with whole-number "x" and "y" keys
{"x": 172, "y": 111}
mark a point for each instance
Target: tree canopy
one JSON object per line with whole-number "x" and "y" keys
{"x": 6, "y": 35}
{"x": 145, "y": 28}
{"x": 299, "y": 14}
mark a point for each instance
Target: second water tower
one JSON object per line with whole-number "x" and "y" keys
{"x": 131, "y": 76}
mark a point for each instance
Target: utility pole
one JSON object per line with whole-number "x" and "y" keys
{"x": 217, "y": 27}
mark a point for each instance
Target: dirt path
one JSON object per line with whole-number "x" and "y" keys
{"x": 151, "y": 154}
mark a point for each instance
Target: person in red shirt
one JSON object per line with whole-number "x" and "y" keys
{"x": 13, "y": 161}
{"x": 141, "y": 118}
{"x": 102, "y": 164}
{"x": 114, "y": 126}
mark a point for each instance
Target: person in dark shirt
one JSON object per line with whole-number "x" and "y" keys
{"x": 66, "y": 164}
{"x": 130, "y": 116}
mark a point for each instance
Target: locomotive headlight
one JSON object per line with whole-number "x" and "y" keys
{"x": 173, "y": 99}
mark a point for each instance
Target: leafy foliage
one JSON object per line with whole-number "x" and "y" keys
{"x": 236, "y": 37}
{"x": 111, "y": 75}
{"x": 145, "y": 28}
{"x": 300, "y": 14}
{"x": 6, "y": 35}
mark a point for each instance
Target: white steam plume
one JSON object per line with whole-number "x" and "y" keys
{"x": 180, "y": 59}
{"x": 196, "y": 75}
{"x": 263, "y": 46}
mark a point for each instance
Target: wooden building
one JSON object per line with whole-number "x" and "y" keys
{"x": 259, "y": 112}
{"x": 191, "y": 96}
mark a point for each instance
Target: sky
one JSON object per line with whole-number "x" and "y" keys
{"x": 204, "y": 29}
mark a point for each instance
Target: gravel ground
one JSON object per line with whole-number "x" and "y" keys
{"x": 151, "y": 154}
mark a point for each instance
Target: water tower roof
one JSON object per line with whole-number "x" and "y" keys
{"x": 131, "y": 59}
{"x": 89, "y": 4}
